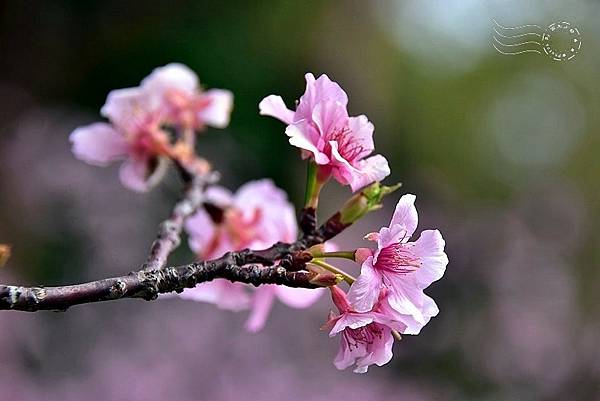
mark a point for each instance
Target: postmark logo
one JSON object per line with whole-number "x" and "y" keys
{"x": 560, "y": 41}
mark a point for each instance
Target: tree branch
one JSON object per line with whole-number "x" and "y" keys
{"x": 168, "y": 237}
{"x": 246, "y": 266}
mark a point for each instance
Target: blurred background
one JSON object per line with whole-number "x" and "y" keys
{"x": 502, "y": 151}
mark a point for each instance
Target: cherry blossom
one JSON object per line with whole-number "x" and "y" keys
{"x": 366, "y": 337}
{"x": 321, "y": 127}
{"x": 170, "y": 95}
{"x": 256, "y": 217}
{"x": 405, "y": 268}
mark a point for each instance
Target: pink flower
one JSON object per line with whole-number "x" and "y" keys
{"x": 405, "y": 268}
{"x": 174, "y": 89}
{"x": 366, "y": 337}
{"x": 256, "y": 217}
{"x": 322, "y": 129}
{"x": 171, "y": 96}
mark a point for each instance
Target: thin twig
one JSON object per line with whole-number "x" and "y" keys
{"x": 168, "y": 237}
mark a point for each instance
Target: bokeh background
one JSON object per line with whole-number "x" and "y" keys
{"x": 502, "y": 151}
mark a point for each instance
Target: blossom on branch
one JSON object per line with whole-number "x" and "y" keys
{"x": 404, "y": 268}
{"x": 366, "y": 337}
{"x": 256, "y": 216}
{"x": 321, "y": 127}
{"x": 169, "y": 96}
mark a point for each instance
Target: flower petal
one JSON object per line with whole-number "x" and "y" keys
{"x": 351, "y": 320}
{"x": 274, "y": 106}
{"x": 319, "y": 90}
{"x": 305, "y": 137}
{"x": 277, "y": 220}
{"x": 222, "y": 293}
{"x": 201, "y": 231}
{"x": 218, "y": 111}
{"x": 262, "y": 302}
{"x": 299, "y": 298}
{"x": 404, "y": 222}
{"x": 347, "y": 355}
{"x": 364, "y": 292}
{"x": 379, "y": 352}
{"x": 362, "y": 135}
{"x": 98, "y": 144}
{"x": 219, "y": 196}
{"x": 430, "y": 250}
{"x": 330, "y": 117}
{"x": 363, "y": 173}
{"x": 126, "y": 108}
{"x": 368, "y": 171}
{"x": 405, "y": 297}
{"x": 142, "y": 174}
{"x": 173, "y": 76}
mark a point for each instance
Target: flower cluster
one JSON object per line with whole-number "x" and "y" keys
{"x": 386, "y": 299}
{"x": 170, "y": 97}
{"x": 388, "y": 293}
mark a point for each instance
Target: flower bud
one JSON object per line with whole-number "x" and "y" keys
{"x": 326, "y": 279}
{"x": 367, "y": 200}
{"x": 362, "y": 254}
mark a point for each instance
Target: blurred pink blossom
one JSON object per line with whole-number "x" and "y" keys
{"x": 322, "y": 129}
{"x": 256, "y": 217}
{"x": 169, "y": 95}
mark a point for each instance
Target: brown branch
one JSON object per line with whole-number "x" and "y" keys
{"x": 168, "y": 237}
{"x": 247, "y": 266}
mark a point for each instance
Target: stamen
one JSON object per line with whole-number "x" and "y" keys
{"x": 348, "y": 147}
{"x": 398, "y": 258}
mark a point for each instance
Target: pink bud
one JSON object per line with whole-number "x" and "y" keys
{"x": 362, "y": 254}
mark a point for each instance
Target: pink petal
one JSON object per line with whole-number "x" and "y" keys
{"x": 259, "y": 193}
{"x": 404, "y": 222}
{"x": 405, "y": 324}
{"x": 380, "y": 351}
{"x": 298, "y": 298}
{"x": 363, "y": 173}
{"x": 219, "y": 196}
{"x": 347, "y": 355}
{"x": 140, "y": 174}
{"x": 430, "y": 249}
{"x": 201, "y": 231}
{"x": 98, "y": 144}
{"x": 126, "y": 108}
{"x": 274, "y": 106}
{"x": 278, "y": 218}
{"x": 222, "y": 293}
{"x": 218, "y": 111}
{"x": 330, "y": 117}
{"x": 364, "y": 292}
{"x": 173, "y": 76}
{"x": 368, "y": 171}
{"x": 262, "y": 303}
{"x": 322, "y": 89}
{"x": 405, "y": 297}
{"x": 362, "y": 134}
{"x": 305, "y": 137}
{"x": 351, "y": 320}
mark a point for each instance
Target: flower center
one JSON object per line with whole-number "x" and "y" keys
{"x": 363, "y": 335}
{"x": 398, "y": 258}
{"x": 242, "y": 230}
{"x": 348, "y": 146}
